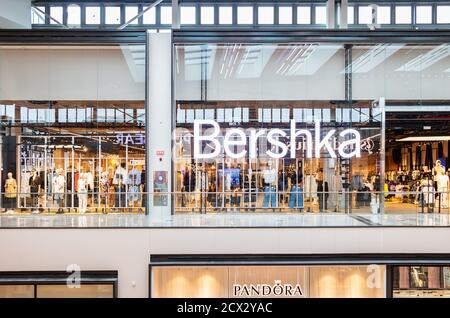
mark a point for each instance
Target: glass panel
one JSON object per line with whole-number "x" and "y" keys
{"x": 344, "y": 281}
{"x": 166, "y": 15}
{"x": 207, "y": 15}
{"x": 383, "y": 15}
{"x": 244, "y": 15}
{"x": 187, "y": 15}
{"x": 38, "y": 17}
{"x": 225, "y": 15}
{"x": 304, "y": 15}
{"x": 321, "y": 15}
{"x": 365, "y": 15}
{"x": 285, "y": 15}
{"x": 351, "y": 15}
{"x": 73, "y": 14}
{"x": 112, "y": 15}
{"x": 85, "y": 291}
{"x": 265, "y": 15}
{"x": 131, "y": 12}
{"x": 403, "y": 14}
{"x": 87, "y": 91}
{"x": 16, "y": 291}
{"x": 149, "y": 17}
{"x": 92, "y": 15}
{"x": 443, "y": 14}
{"x": 424, "y": 14}
{"x": 57, "y": 14}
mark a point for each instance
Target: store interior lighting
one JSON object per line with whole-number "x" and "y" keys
{"x": 425, "y": 138}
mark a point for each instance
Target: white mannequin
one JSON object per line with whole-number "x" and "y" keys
{"x": 82, "y": 193}
{"x": 10, "y": 191}
{"x": 59, "y": 185}
{"x": 438, "y": 170}
{"x": 269, "y": 174}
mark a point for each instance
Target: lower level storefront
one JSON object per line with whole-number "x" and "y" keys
{"x": 295, "y": 277}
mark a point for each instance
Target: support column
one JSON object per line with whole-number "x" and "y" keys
{"x": 175, "y": 15}
{"x": 343, "y": 14}
{"x": 158, "y": 128}
{"x": 331, "y": 14}
{"x": 382, "y": 106}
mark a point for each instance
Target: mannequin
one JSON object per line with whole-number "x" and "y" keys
{"x": 10, "y": 193}
{"x": 438, "y": 170}
{"x": 35, "y": 188}
{"x": 104, "y": 190}
{"x": 58, "y": 187}
{"x": 119, "y": 182}
{"x": 442, "y": 188}
{"x": 269, "y": 177}
{"x": 82, "y": 193}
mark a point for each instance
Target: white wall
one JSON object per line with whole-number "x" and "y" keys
{"x": 67, "y": 73}
{"x": 129, "y": 250}
{"x": 15, "y": 14}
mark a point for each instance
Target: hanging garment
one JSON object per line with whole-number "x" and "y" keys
{"x": 443, "y": 182}
{"x": 35, "y": 182}
{"x": 82, "y": 195}
{"x": 25, "y": 185}
{"x": 411, "y": 168}
{"x": 270, "y": 197}
{"x": 310, "y": 186}
{"x": 429, "y": 156}
{"x": 189, "y": 181}
{"x": 134, "y": 177}
{"x": 440, "y": 152}
{"x": 120, "y": 176}
{"x": 418, "y": 162}
{"x": 428, "y": 193}
{"x": 58, "y": 187}
{"x": 269, "y": 176}
{"x": 296, "y": 200}
{"x": 357, "y": 183}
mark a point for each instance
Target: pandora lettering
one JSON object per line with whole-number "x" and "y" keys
{"x": 234, "y": 142}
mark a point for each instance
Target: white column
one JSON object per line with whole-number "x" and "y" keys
{"x": 343, "y": 14}
{"x": 175, "y": 15}
{"x": 15, "y": 14}
{"x": 159, "y": 119}
{"x": 331, "y": 14}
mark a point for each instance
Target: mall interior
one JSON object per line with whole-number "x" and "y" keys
{"x": 250, "y": 148}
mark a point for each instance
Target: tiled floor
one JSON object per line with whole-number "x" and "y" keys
{"x": 228, "y": 220}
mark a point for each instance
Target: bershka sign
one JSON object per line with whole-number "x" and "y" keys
{"x": 236, "y": 138}
{"x": 267, "y": 290}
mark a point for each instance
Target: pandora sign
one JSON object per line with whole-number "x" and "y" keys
{"x": 237, "y": 143}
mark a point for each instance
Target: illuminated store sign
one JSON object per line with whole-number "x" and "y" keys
{"x": 259, "y": 290}
{"x": 237, "y": 138}
{"x": 130, "y": 139}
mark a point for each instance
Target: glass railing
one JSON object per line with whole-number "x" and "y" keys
{"x": 264, "y": 200}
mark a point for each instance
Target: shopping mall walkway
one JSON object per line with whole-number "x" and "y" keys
{"x": 224, "y": 220}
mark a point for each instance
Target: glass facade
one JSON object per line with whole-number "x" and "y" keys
{"x": 268, "y": 281}
{"x": 421, "y": 281}
{"x": 304, "y": 132}
{"x": 267, "y": 86}
{"x": 263, "y": 87}
{"x": 72, "y": 128}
